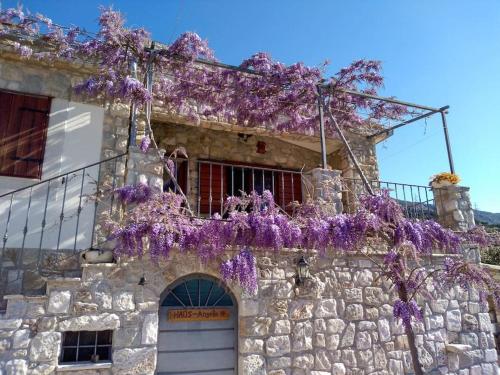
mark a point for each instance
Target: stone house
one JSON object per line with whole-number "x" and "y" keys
{"x": 62, "y": 313}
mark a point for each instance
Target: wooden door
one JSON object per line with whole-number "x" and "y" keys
{"x": 197, "y": 330}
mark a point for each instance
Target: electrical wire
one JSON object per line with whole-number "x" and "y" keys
{"x": 411, "y": 145}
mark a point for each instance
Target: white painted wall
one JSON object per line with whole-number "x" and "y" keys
{"x": 74, "y": 141}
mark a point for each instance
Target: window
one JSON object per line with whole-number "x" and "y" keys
{"x": 181, "y": 168}
{"x": 219, "y": 180}
{"x": 23, "y": 132}
{"x": 86, "y": 346}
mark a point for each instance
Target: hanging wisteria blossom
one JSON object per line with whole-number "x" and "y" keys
{"x": 276, "y": 96}
{"x": 242, "y": 269}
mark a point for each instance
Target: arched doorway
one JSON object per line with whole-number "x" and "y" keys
{"x": 197, "y": 328}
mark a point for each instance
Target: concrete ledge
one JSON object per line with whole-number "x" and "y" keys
{"x": 13, "y": 297}
{"x": 458, "y": 348}
{"x": 100, "y": 265}
{"x": 84, "y": 366}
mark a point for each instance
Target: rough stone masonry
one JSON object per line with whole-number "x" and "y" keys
{"x": 339, "y": 322}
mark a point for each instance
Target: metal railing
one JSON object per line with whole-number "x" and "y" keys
{"x": 218, "y": 180}
{"x": 44, "y": 226}
{"x": 417, "y": 201}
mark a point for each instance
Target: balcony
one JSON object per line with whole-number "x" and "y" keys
{"x": 219, "y": 180}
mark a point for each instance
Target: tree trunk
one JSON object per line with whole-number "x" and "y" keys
{"x": 417, "y": 367}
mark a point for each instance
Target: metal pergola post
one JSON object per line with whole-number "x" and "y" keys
{"x": 447, "y": 140}
{"x": 133, "y": 110}
{"x": 349, "y": 151}
{"x": 322, "y": 137}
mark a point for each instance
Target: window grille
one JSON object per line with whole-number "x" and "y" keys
{"x": 217, "y": 180}
{"x": 86, "y": 346}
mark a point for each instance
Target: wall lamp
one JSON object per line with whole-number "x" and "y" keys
{"x": 244, "y": 137}
{"x": 302, "y": 271}
{"x": 142, "y": 281}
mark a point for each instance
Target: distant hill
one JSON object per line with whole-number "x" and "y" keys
{"x": 485, "y": 217}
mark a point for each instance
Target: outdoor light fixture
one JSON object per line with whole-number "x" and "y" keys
{"x": 244, "y": 137}
{"x": 302, "y": 271}
{"x": 142, "y": 281}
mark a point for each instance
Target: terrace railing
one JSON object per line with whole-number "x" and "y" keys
{"x": 217, "y": 180}
{"x": 44, "y": 226}
{"x": 417, "y": 201}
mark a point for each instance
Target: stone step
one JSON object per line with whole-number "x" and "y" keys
{"x": 25, "y": 271}
{"x": 58, "y": 271}
{"x": 29, "y": 306}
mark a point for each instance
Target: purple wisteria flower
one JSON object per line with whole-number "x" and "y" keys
{"x": 241, "y": 268}
{"x": 139, "y": 193}
{"x": 254, "y": 223}
{"x": 469, "y": 275}
{"x": 477, "y": 235}
{"x": 406, "y": 310}
{"x": 24, "y": 51}
{"x": 382, "y": 205}
{"x": 232, "y": 96}
{"x": 145, "y": 143}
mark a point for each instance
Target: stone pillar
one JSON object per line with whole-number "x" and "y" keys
{"x": 140, "y": 168}
{"x": 324, "y": 185}
{"x": 145, "y": 168}
{"x": 364, "y": 150}
{"x": 454, "y": 208}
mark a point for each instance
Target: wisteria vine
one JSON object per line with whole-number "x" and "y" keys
{"x": 253, "y": 222}
{"x": 276, "y": 96}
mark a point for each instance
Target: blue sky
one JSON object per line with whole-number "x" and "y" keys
{"x": 433, "y": 52}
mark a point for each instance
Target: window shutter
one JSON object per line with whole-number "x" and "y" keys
{"x": 213, "y": 181}
{"x": 288, "y": 188}
{"x": 23, "y": 131}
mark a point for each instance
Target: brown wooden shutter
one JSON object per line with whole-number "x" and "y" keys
{"x": 288, "y": 188}
{"x": 213, "y": 184}
{"x": 23, "y": 134}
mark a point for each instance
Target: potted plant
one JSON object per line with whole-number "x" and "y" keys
{"x": 444, "y": 179}
{"x": 93, "y": 255}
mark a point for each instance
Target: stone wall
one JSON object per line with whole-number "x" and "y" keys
{"x": 365, "y": 153}
{"x": 209, "y": 144}
{"x": 339, "y": 322}
{"x": 325, "y": 186}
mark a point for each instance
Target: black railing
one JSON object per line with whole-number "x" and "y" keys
{"x": 44, "y": 226}
{"x": 417, "y": 201}
{"x": 218, "y": 180}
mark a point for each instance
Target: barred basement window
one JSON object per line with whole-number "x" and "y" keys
{"x": 86, "y": 346}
